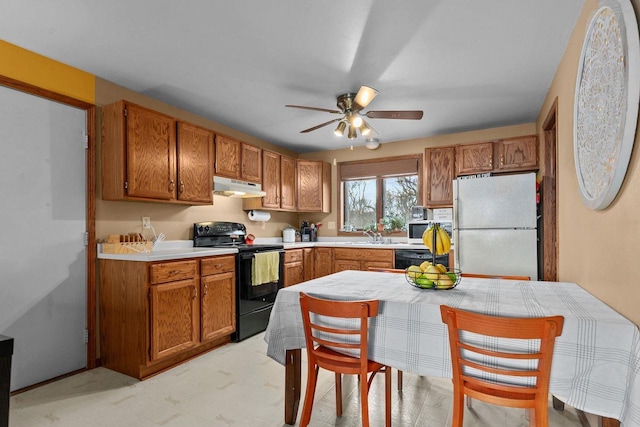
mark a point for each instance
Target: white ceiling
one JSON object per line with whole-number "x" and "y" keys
{"x": 468, "y": 64}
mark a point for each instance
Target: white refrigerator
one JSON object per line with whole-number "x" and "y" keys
{"x": 495, "y": 225}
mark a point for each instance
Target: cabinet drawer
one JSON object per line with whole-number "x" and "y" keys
{"x": 292, "y": 255}
{"x": 217, "y": 265}
{"x": 364, "y": 254}
{"x": 172, "y": 271}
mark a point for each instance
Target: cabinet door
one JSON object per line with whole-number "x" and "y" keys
{"x": 271, "y": 179}
{"x": 251, "y": 163}
{"x": 293, "y": 273}
{"x": 287, "y": 183}
{"x": 151, "y": 154}
{"x": 517, "y": 154}
{"x": 308, "y": 263}
{"x": 346, "y": 264}
{"x": 195, "y": 163}
{"x": 218, "y": 302}
{"x": 227, "y": 157}
{"x": 313, "y": 186}
{"x": 174, "y": 317}
{"x": 323, "y": 261}
{"x": 440, "y": 174}
{"x": 474, "y": 158}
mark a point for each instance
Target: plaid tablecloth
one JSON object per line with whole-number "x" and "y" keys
{"x": 596, "y": 362}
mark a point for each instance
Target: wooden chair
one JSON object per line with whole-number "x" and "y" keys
{"x": 391, "y": 270}
{"x": 494, "y": 276}
{"x": 487, "y": 360}
{"x": 322, "y": 337}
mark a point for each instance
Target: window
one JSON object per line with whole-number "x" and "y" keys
{"x": 381, "y": 188}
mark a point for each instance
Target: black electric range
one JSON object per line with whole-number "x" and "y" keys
{"x": 253, "y": 300}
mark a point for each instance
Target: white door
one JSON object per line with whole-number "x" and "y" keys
{"x": 42, "y": 225}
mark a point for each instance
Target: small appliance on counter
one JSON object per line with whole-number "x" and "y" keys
{"x": 418, "y": 213}
{"x": 289, "y": 234}
{"x": 308, "y": 233}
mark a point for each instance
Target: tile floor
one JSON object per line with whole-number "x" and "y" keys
{"x": 238, "y": 385}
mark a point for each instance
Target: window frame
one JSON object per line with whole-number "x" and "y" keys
{"x": 369, "y": 164}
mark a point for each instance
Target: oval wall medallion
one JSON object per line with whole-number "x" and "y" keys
{"x": 606, "y": 102}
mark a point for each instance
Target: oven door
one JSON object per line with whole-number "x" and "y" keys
{"x": 265, "y": 292}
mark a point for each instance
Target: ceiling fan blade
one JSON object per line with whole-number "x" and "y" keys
{"x": 320, "y": 125}
{"x": 326, "y": 110}
{"x": 364, "y": 96}
{"x": 407, "y": 115}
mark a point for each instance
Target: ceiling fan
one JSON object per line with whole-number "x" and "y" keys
{"x": 350, "y": 107}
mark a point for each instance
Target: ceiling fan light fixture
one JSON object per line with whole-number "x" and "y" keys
{"x": 353, "y": 134}
{"x": 365, "y": 95}
{"x": 365, "y": 129}
{"x": 372, "y": 143}
{"x": 340, "y": 129}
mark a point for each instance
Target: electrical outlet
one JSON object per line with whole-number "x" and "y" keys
{"x": 146, "y": 222}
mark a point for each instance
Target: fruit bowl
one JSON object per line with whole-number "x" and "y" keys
{"x": 422, "y": 278}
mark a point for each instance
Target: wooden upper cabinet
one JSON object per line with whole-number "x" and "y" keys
{"x": 313, "y": 186}
{"x": 287, "y": 183}
{"x": 147, "y": 155}
{"x": 271, "y": 179}
{"x": 138, "y": 153}
{"x": 440, "y": 173}
{"x": 227, "y": 157}
{"x": 195, "y": 163}
{"x": 238, "y": 160}
{"x": 251, "y": 169}
{"x": 474, "y": 158}
{"x": 516, "y": 154}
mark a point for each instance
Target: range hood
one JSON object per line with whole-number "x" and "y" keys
{"x": 235, "y": 188}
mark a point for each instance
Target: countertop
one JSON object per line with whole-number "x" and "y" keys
{"x": 167, "y": 250}
{"x": 178, "y": 249}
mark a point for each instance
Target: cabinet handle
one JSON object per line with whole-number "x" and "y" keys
{"x": 501, "y": 159}
{"x": 219, "y": 265}
{"x": 172, "y": 185}
{"x": 195, "y": 292}
{"x": 181, "y": 187}
{"x": 206, "y": 289}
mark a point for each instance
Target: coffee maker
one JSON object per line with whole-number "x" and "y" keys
{"x": 308, "y": 232}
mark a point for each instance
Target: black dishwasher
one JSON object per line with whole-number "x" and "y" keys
{"x": 407, "y": 257}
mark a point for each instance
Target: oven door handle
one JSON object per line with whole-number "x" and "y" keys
{"x": 251, "y": 255}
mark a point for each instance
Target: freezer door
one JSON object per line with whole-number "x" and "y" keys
{"x": 505, "y": 201}
{"x": 497, "y": 251}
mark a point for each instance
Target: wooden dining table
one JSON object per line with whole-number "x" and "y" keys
{"x": 596, "y": 361}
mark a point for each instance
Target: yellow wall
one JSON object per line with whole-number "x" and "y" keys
{"x": 597, "y": 249}
{"x": 25, "y": 66}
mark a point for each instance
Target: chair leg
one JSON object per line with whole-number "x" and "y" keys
{"x": 364, "y": 400}
{"x": 312, "y": 378}
{"x": 387, "y": 394}
{"x": 339, "y": 394}
{"x": 399, "y": 380}
{"x": 458, "y": 409}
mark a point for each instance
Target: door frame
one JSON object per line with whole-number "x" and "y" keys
{"x": 549, "y": 190}
{"x": 91, "y": 249}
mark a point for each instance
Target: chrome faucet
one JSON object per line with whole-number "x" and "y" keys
{"x": 375, "y": 237}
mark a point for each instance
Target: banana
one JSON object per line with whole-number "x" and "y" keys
{"x": 427, "y": 238}
{"x": 446, "y": 241}
{"x": 439, "y": 246}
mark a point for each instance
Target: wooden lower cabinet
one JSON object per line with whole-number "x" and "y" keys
{"x": 293, "y": 267}
{"x": 308, "y": 263}
{"x": 217, "y": 298}
{"x": 155, "y": 315}
{"x": 361, "y": 259}
{"x": 323, "y": 260}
